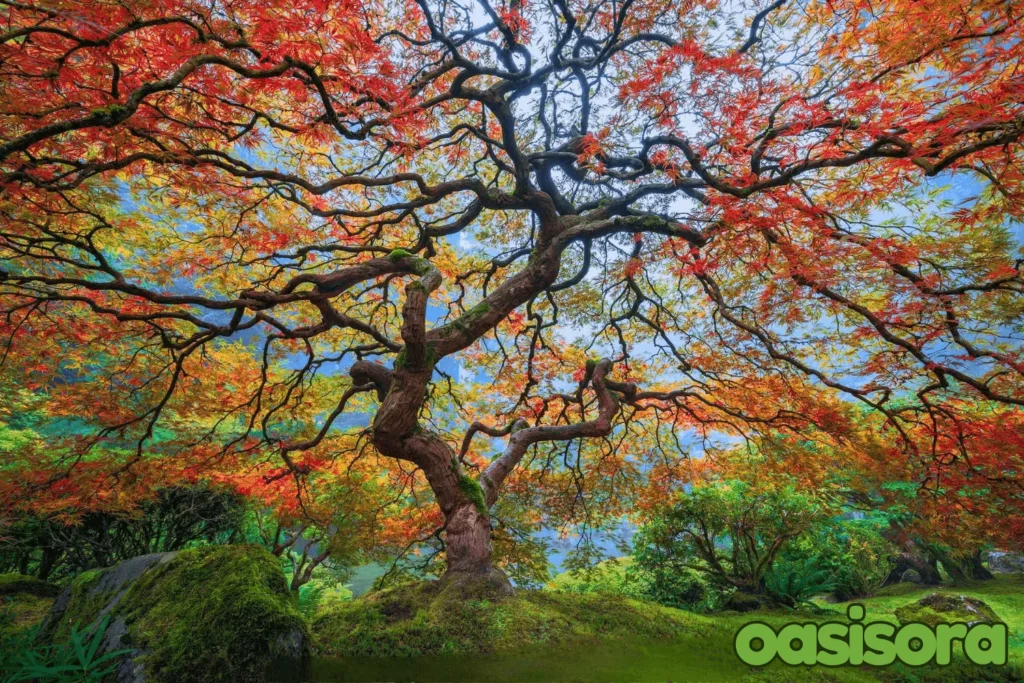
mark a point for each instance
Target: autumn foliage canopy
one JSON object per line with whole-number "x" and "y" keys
{"x": 489, "y": 266}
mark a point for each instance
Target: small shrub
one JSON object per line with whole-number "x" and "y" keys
{"x": 792, "y": 583}
{"x": 323, "y": 591}
{"x": 852, "y": 553}
{"x": 679, "y": 587}
{"x": 605, "y": 577}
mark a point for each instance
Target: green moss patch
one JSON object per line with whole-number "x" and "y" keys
{"x": 24, "y": 603}
{"x": 398, "y": 254}
{"x": 471, "y": 489}
{"x": 213, "y": 614}
{"x": 424, "y": 619}
{"x": 21, "y": 612}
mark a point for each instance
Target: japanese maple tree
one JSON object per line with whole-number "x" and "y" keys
{"x": 229, "y": 230}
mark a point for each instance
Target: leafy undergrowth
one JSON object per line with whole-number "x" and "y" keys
{"x": 425, "y": 619}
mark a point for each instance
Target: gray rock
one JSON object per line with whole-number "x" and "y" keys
{"x": 112, "y": 585}
{"x": 911, "y": 576}
{"x": 132, "y": 670}
{"x": 1007, "y": 563}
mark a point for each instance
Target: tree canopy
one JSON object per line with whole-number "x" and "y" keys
{"x": 490, "y": 265}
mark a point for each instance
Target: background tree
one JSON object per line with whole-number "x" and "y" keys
{"x": 732, "y": 530}
{"x": 230, "y": 231}
{"x": 176, "y": 517}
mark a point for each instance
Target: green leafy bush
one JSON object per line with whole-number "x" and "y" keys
{"x": 661, "y": 575}
{"x": 852, "y": 552}
{"x": 729, "y": 532}
{"x": 324, "y": 591}
{"x": 645, "y": 576}
{"x": 605, "y": 577}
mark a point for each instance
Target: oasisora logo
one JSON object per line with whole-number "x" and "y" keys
{"x": 876, "y": 643}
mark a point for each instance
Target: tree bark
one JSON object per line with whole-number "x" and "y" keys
{"x": 468, "y": 547}
{"x": 976, "y": 569}
{"x": 907, "y": 560}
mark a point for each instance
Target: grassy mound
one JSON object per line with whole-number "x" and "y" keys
{"x": 208, "y": 614}
{"x": 1004, "y": 596}
{"x": 422, "y": 633}
{"x": 608, "y": 576}
{"x": 427, "y": 618}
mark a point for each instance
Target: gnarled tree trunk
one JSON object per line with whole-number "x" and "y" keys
{"x": 396, "y": 432}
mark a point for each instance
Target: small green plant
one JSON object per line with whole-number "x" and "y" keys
{"x": 794, "y": 583}
{"x": 73, "y": 660}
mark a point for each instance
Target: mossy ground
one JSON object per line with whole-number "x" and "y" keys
{"x": 420, "y": 632}
{"x": 416, "y": 632}
{"x": 20, "y": 612}
{"x": 24, "y": 602}
{"x": 1004, "y": 594}
{"x": 425, "y": 619}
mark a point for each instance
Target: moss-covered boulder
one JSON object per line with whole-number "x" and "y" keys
{"x": 219, "y": 613}
{"x": 743, "y": 602}
{"x": 434, "y": 618}
{"x": 939, "y": 608}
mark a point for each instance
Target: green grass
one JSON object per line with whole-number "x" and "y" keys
{"x": 24, "y": 602}
{"x": 1004, "y": 594}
